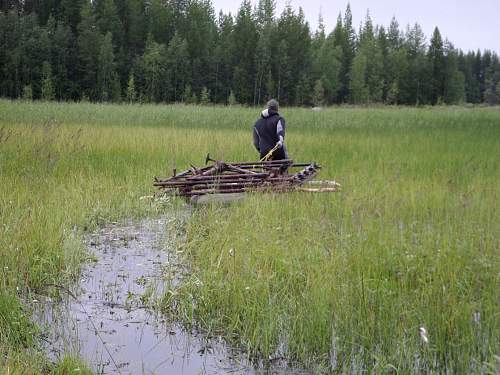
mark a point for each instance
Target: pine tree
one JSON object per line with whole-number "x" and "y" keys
{"x": 303, "y": 91}
{"x": 27, "y": 93}
{"x": 89, "y": 43}
{"x": 34, "y": 50}
{"x": 205, "y": 96}
{"x": 418, "y": 75}
{"x": 70, "y": 12}
{"x": 373, "y": 61}
{"x": 63, "y": 56}
{"x": 319, "y": 94}
{"x": 326, "y": 66}
{"x": 436, "y": 61}
{"x": 154, "y": 65}
{"x": 266, "y": 27}
{"x": 136, "y": 26}
{"x": 345, "y": 37}
{"x": 201, "y": 39}
{"x": 161, "y": 21}
{"x": 454, "y": 79}
{"x": 177, "y": 66}
{"x": 231, "y": 100}
{"x": 359, "y": 93}
{"x": 188, "y": 94}
{"x": 223, "y": 58}
{"x": 47, "y": 85}
{"x": 109, "y": 21}
{"x": 293, "y": 54}
{"x": 244, "y": 42}
{"x": 131, "y": 93}
{"x": 107, "y": 79}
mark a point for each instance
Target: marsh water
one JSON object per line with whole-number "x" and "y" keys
{"x": 112, "y": 324}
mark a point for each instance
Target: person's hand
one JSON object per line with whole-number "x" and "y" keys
{"x": 280, "y": 142}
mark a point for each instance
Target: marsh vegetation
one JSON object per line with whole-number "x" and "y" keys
{"x": 335, "y": 282}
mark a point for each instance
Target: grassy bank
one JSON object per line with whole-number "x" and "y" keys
{"x": 331, "y": 280}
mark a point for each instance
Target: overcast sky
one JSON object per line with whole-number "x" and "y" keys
{"x": 468, "y": 24}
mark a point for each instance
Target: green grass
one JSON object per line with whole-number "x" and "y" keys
{"x": 338, "y": 282}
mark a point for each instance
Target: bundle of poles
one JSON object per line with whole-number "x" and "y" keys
{"x": 221, "y": 177}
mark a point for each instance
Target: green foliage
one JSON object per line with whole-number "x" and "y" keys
{"x": 154, "y": 67}
{"x": 177, "y": 65}
{"x": 16, "y": 330}
{"x": 231, "y": 100}
{"x": 319, "y": 94}
{"x": 359, "y": 93}
{"x": 109, "y": 87}
{"x": 257, "y": 54}
{"x": 205, "y": 96}
{"x": 27, "y": 92}
{"x": 437, "y": 66}
{"x": 188, "y": 94}
{"x": 131, "y": 93}
{"x": 47, "y": 86}
{"x": 71, "y": 366}
{"x": 89, "y": 44}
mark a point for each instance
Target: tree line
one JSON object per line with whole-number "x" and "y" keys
{"x": 180, "y": 51}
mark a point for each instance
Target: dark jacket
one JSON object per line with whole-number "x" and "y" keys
{"x": 266, "y": 133}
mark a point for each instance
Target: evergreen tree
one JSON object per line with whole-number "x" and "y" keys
{"x": 131, "y": 93}
{"x": 74, "y": 49}
{"x": 418, "y": 78}
{"x": 201, "y": 43}
{"x": 107, "y": 80}
{"x": 63, "y": 60}
{"x": 293, "y": 54}
{"x": 27, "y": 93}
{"x": 135, "y": 26}
{"x": 89, "y": 43}
{"x": 373, "y": 63}
{"x": 188, "y": 94}
{"x": 345, "y": 37}
{"x": 177, "y": 67}
{"x": 492, "y": 82}
{"x": 319, "y": 94}
{"x": 223, "y": 59}
{"x": 161, "y": 21}
{"x": 243, "y": 46}
{"x": 436, "y": 61}
{"x": 359, "y": 92}
{"x": 454, "y": 80}
{"x": 70, "y": 11}
{"x": 231, "y": 100}
{"x": 263, "y": 53}
{"x": 109, "y": 21}
{"x": 34, "y": 49}
{"x": 10, "y": 55}
{"x": 326, "y": 67}
{"x": 47, "y": 85}
{"x": 154, "y": 65}
{"x": 303, "y": 91}
{"x": 205, "y": 96}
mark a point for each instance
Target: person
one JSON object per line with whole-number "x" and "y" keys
{"x": 269, "y": 132}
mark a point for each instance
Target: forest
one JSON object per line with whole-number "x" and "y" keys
{"x": 166, "y": 51}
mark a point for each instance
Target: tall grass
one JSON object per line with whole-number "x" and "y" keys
{"x": 336, "y": 282}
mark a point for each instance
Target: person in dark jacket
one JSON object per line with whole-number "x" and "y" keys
{"x": 269, "y": 131}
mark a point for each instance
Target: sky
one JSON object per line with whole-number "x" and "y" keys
{"x": 468, "y": 24}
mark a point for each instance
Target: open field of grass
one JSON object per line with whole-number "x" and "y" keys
{"x": 339, "y": 282}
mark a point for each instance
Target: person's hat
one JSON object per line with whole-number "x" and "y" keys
{"x": 273, "y": 104}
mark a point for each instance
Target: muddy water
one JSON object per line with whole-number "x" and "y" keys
{"x": 113, "y": 327}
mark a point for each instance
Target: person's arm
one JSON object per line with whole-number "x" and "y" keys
{"x": 280, "y": 131}
{"x": 256, "y": 139}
